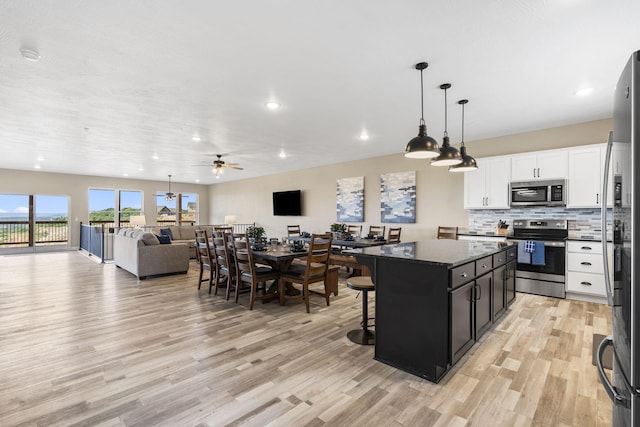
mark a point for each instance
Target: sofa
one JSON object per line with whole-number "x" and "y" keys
{"x": 141, "y": 253}
{"x": 183, "y": 234}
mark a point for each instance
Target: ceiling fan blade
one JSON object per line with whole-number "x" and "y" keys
{"x": 235, "y": 167}
{"x": 232, "y": 164}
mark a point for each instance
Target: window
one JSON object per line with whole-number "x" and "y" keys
{"x": 28, "y": 221}
{"x": 189, "y": 208}
{"x": 130, "y": 204}
{"x": 14, "y": 220}
{"x": 165, "y": 210}
{"x": 102, "y": 207}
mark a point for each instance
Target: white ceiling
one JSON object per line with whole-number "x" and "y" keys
{"x": 120, "y": 81}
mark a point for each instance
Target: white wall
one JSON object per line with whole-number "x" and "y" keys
{"x": 439, "y": 193}
{"x": 76, "y": 187}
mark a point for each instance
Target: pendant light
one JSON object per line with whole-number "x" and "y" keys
{"x": 422, "y": 146}
{"x": 468, "y": 162}
{"x": 169, "y": 196}
{"x": 448, "y": 155}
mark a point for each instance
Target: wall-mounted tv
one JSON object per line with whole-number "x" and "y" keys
{"x": 287, "y": 203}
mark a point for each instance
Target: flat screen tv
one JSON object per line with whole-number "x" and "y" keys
{"x": 287, "y": 203}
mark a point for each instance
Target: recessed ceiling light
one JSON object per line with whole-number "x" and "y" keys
{"x": 30, "y": 54}
{"x": 196, "y": 138}
{"x": 40, "y": 159}
{"x": 141, "y": 169}
{"x": 197, "y": 180}
{"x": 125, "y": 174}
{"x": 154, "y": 157}
{"x": 36, "y": 166}
{"x": 272, "y": 105}
{"x": 364, "y": 136}
{"x": 282, "y": 154}
{"x": 585, "y": 91}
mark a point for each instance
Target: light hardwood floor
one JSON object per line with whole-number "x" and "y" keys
{"x": 88, "y": 344}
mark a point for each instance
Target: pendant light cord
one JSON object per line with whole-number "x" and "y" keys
{"x": 445, "y": 113}
{"x": 421, "y": 100}
{"x": 462, "y": 126}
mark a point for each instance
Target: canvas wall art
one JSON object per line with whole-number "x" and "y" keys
{"x": 350, "y": 199}
{"x": 398, "y": 197}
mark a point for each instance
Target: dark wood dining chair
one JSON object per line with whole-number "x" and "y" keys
{"x": 355, "y": 229}
{"x": 314, "y": 270}
{"x": 205, "y": 259}
{"x": 394, "y": 235}
{"x": 250, "y": 273}
{"x": 447, "y": 232}
{"x": 226, "y": 267}
{"x": 377, "y": 230}
{"x": 293, "y": 231}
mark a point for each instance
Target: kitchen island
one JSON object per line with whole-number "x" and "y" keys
{"x": 435, "y": 298}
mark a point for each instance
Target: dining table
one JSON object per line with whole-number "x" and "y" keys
{"x": 280, "y": 257}
{"x": 356, "y": 242}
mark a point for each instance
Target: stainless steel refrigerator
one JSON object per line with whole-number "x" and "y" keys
{"x": 623, "y": 151}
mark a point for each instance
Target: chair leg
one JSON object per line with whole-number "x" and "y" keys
{"x": 238, "y": 286}
{"x": 305, "y": 295}
{"x": 200, "y": 277}
{"x": 228, "y": 291}
{"x": 252, "y": 296}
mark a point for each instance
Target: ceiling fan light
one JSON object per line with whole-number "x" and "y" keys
{"x": 422, "y": 146}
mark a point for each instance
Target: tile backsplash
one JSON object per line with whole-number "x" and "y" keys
{"x": 583, "y": 223}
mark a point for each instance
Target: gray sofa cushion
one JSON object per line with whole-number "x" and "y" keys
{"x": 150, "y": 239}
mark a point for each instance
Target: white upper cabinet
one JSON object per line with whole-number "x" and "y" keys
{"x": 586, "y": 170}
{"x": 488, "y": 186}
{"x": 550, "y": 164}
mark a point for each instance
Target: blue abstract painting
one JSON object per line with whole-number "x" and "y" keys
{"x": 398, "y": 197}
{"x": 350, "y": 199}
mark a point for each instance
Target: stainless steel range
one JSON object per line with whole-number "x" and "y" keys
{"x": 542, "y": 273}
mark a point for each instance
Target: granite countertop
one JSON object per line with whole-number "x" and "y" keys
{"x": 445, "y": 252}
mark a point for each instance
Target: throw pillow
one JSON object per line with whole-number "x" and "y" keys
{"x": 164, "y": 240}
{"x": 166, "y": 232}
{"x": 150, "y": 239}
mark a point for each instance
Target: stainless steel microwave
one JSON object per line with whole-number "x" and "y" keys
{"x": 538, "y": 193}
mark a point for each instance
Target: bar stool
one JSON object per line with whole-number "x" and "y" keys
{"x": 362, "y": 336}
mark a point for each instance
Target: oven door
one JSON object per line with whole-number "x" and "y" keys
{"x": 554, "y": 256}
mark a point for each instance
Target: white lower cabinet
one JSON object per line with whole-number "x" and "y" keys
{"x": 585, "y": 270}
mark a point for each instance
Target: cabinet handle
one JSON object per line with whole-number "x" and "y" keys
{"x": 479, "y": 296}
{"x": 586, "y": 283}
{"x": 585, "y": 263}
{"x": 586, "y": 248}
{"x": 538, "y": 172}
{"x": 484, "y": 266}
{"x": 464, "y": 274}
{"x": 597, "y": 198}
{"x": 534, "y": 172}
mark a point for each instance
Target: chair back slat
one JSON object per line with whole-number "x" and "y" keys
{"x": 394, "y": 235}
{"x": 377, "y": 230}
{"x": 447, "y": 232}
{"x": 293, "y": 230}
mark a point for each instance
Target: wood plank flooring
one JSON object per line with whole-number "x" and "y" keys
{"x": 87, "y": 344}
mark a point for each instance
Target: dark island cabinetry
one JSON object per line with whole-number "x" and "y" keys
{"x": 434, "y": 299}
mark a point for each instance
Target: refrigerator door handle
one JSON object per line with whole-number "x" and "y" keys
{"x": 616, "y": 398}
{"x": 603, "y": 218}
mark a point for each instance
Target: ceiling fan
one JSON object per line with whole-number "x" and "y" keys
{"x": 169, "y": 196}
{"x": 220, "y": 165}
